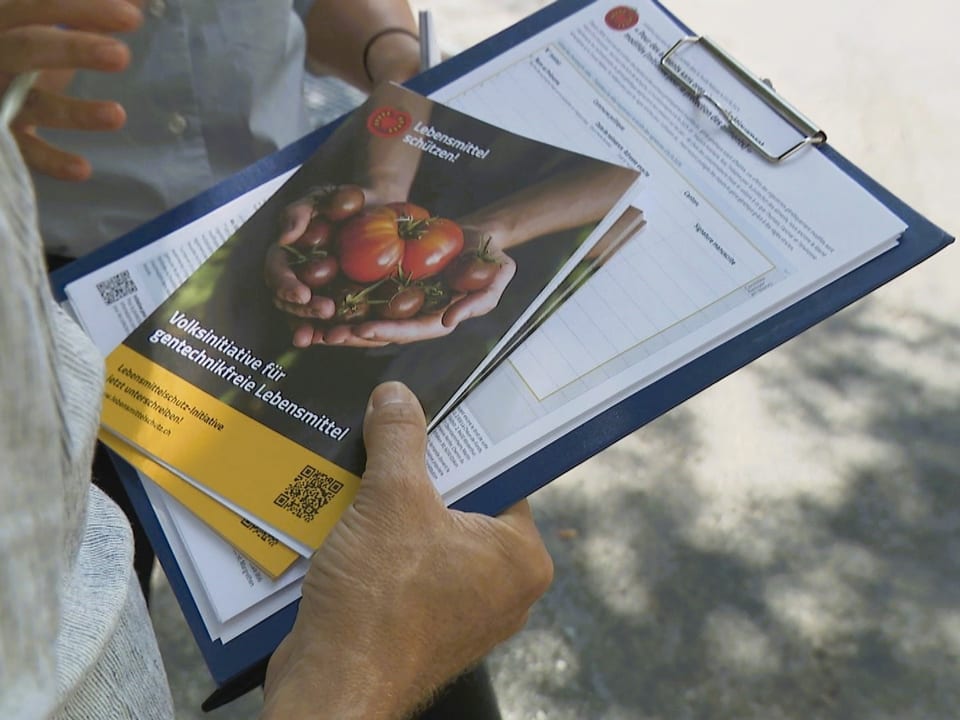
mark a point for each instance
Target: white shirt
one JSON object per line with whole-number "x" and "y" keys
{"x": 75, "y": 637}
{"x": 211, "y": 88}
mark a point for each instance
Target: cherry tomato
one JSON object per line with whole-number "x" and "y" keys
{"x": 438, "y": 297}
{"x": 409, "y": 211}
{"x": 472, "y": 271}
{"x": 404, "y": 303}
{"x": 352, "y": 304}
{"x": 316, "y": 236}
{"x": 346, "y": 201}
{"x": 317, "y": 271}
{"x": 430, "y": 245}
{"x": 369, "y": 246}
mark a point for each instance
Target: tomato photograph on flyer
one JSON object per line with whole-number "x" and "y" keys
{"x": 409, "y": 247}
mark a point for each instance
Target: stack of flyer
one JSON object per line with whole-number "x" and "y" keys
{"x": 241, "y": 395}
{"x": 521, "y": 287}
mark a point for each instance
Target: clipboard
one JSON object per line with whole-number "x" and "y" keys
{"x": 238, "y": 666}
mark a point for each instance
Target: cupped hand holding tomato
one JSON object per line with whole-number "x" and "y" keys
{"x": 335, "y": 254}
{"x": 300, "y": 261}
{"x": 465, "y": 305}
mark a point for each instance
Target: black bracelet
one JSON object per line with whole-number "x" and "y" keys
{"x": 377, "y": 36}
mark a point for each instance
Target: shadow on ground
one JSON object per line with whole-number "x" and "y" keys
{"x": 807, "y": 606}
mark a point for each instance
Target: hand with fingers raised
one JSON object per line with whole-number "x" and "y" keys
{"x": 57, "y": 39}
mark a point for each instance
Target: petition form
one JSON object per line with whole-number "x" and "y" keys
{"x": 730, "y": 238}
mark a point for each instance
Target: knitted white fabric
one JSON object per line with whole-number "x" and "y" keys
{"x": 75, "y": 637}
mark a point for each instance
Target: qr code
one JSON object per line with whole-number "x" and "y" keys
{"x": 117, "y": 287}
{"x": 309, "y": 491}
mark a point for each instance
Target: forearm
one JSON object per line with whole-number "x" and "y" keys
{"x": 559, "y": 203}
{"x": 391, "y": 165}
{"x": 338, "y": 32}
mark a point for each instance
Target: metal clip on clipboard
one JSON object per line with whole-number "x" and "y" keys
{"x": 813, "y": 135}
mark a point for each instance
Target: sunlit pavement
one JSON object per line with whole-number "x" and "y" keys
{"x": 787, "y": 544}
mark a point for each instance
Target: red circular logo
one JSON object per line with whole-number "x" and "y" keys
{"x": 388, "y": 121}
{"x": 622, "y": 18}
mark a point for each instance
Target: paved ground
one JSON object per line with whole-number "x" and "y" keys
{"x": 787, "y": 544}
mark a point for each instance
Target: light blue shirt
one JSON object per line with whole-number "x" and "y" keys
{"x": 212, "y": 87}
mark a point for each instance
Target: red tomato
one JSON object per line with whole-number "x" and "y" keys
{"x": 405, "y": 303}
{"x": 316, "y": 236}
{"x": 438, "y": 297}
{"x": 409, "y": 210}
{"x": 352, "y": 305}
{"x": 471, "y": 272}
{"x": 369, "y": 246}
{"x": 346, "y": 201}
{"x": 430, "y": 246}
{"x": 317, "y": 271}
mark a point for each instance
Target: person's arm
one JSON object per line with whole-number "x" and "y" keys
{"x": 338, "y": 33}
{"x": 557, "y": 203}
{"x": 404, "y": 594}
{"x": 59, "y": 38}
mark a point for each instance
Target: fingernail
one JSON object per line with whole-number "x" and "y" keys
{"x": 110, "y": 53}
{"x": 107, "y": 114}
{"x": 77, "y": 169}
{"x": 389, "y": 393}
{"x": 132, "y": 15}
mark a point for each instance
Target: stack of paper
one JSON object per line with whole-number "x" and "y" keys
{"x": 242, "y": 392}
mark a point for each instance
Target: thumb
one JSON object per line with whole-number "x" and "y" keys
{"x": 395, "y": 436}
{"x": 296, "y": 218}
{"x": 281, "y": 278}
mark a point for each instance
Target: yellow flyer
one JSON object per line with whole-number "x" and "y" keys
{"x": 257, "y": 545}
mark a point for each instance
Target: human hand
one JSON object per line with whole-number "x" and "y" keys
{"x": 58, "y": 38}
{"x": 303, "y": 251}
{"x": 404, "y": 594}
{"x": 363, "y": 43}
{"x": 393, "y": 56}
{"x": 465, "y": 305}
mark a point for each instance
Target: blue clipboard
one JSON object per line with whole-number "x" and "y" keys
{"x": 238, "y": 665}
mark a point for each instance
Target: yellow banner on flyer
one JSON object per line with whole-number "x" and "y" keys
{"x": 288, "y": 487}
{"x": 257, "y": 545}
